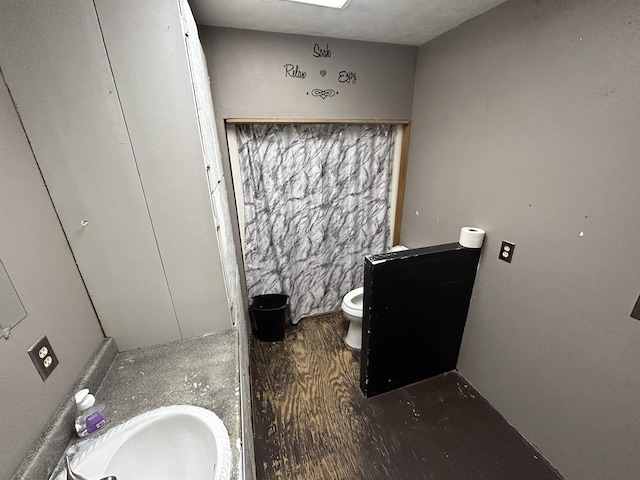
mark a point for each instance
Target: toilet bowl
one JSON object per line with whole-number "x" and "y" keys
{"x": 352, "y": 311}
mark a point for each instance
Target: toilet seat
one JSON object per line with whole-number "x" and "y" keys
{"x": 352, "y": 302}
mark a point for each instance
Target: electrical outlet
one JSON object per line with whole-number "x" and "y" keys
{"x": 506, "y": 251}
{"x": 43, "y": 357}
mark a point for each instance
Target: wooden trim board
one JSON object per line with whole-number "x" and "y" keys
{"x": 314, "y": 120}
{"x": 402, "y": 182}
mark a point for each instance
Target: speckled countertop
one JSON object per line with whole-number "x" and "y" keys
{"x": 200, "y": 371}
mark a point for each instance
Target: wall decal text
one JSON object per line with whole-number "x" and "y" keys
{"x": 347, "y": 77}
{"x": 320, "y": 52}
{"x": 293, "y": 71}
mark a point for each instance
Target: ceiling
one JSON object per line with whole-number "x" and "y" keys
{"x": 405, "y": 22}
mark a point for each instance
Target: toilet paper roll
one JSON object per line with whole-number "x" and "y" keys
{"x": 471, "y": 237}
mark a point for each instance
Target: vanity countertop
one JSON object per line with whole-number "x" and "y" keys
{"x": 201, "y": 371}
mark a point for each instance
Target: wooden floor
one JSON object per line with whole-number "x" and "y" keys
{"x": 311, "y": 420}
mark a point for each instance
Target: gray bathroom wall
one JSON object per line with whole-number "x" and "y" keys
{"x": 248, "y": 76}
{"x": 38, "y": 260}
{"x": 526, "y": 124}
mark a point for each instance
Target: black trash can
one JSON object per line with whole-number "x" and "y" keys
{"x": 268, "y": 316}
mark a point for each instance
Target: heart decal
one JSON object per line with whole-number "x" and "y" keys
{"x": 323, "y": 73}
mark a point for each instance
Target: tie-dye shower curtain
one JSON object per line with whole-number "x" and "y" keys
{"x": 316, "y": 201}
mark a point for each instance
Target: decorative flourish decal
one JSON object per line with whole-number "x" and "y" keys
{"x": 318, "y": 92}
{"x": 293, "y": 71}
{"x": 320, "y": 52}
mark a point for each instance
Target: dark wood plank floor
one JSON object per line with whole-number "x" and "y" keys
{"x": 312, "y": 422}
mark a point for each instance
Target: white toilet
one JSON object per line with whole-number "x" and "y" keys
{"x": 352, "y": 311}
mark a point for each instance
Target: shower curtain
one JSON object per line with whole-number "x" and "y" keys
{"x": 316, "y": 201}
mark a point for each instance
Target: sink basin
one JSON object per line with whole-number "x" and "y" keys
{"x": 168, "y": 443}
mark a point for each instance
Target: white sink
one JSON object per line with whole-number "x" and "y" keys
{"x": 168, "y": 443}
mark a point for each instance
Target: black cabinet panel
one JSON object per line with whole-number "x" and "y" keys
{"x": 415, "y": 308}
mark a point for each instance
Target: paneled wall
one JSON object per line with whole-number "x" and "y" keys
{"x": 154, "y": 86}
{"x": 106, "y": 100}
{"x": 36, "y": 256}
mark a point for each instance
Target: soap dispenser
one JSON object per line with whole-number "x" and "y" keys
{"x": 90, "y": 417}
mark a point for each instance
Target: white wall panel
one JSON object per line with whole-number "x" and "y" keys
{"x": 147, "y": 53}
{"x": 55, "y": 65}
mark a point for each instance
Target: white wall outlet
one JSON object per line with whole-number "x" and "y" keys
{"x": 43, "y": 357}
{"x": 506, "y": 251}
